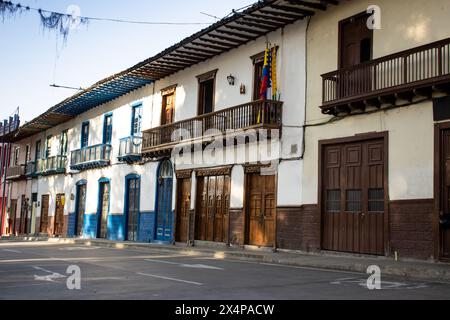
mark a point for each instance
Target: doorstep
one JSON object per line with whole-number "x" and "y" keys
{"x": 414, "y": 269}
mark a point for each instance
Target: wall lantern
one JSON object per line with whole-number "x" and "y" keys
{"x": 230, "y": 79}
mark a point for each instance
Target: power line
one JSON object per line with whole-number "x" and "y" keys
{"x": 18, "y": 6}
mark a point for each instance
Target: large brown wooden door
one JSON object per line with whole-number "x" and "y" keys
{"x": 44, "y": 213}
{"x": 213, "y": 203}
{"x": 261, "y": 209}
{"x": 445, "y": 193}
{"x": 183, "y": 208}
{"x": 12, "y": 217}
{"x": 353, "y": 193}
{"x": 59, "y": 216}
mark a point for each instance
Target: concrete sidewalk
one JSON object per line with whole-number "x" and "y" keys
{"x": 412, "y": 269}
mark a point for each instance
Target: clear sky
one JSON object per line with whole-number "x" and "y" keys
{"x": 31, "y": 59}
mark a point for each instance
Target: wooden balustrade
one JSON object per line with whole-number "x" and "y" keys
{"x": 252, "y": 115}
{"x": 416, "y": 68}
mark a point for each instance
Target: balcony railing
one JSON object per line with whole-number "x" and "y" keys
{"x": 130, "y": 149}
{"x": 420, "y": 68}
{"x": 30, "y": 169}
{"x": 15, "y": 172}
{"x": 253, "y": 115}
{"x": 90, "y": 157}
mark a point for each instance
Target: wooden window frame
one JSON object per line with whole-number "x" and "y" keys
{"x": 256, "y": 59}
{"x": 210, "y": 75}
{"x": 340, "y": 36}
{"x": 164, "y": 93}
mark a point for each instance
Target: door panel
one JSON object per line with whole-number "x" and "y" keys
{"x": 80, "y": 209}
{"x": 133, "y": 191}
{"x": 23, "y": 216}
{"x": 12, "y": 223}
{"x": 59, "y": 216}
{"x": 164, "y": 221}
{"x": 104, "y": 210}
{"x": 183, "y": 208}
{"x": 261, "y": 210}
{"x": 353, "y": 197}
{"x": 44, "y": 213}
{"x": 445, "y": 191}
{"x": 212, "y": 212}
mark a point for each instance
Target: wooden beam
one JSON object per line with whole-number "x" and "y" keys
{"x": 222, "y": 37}
{"x": 299, "y": 11}
{"x": 236, "y": 34}
{"x": 188, "y": 51}
{"x": 248, "y": 30}
{"x": 220, "y": 43}
{"x": 272, "y": 18}
{"x": 293, "y": 17}
{"x": 190, "y": 47}
{"x": 335, "y": 2}
{"x": 255, "y": 25}
{"x": 263, "y": 21}
{"x": 212, "y": 46}
{"x": 314, "y": 5}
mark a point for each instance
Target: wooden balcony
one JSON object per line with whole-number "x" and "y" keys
{"x": 90, "y": 157}
{"x": 404, "y": 75}
{"x": 130, "y": 149}
{"x": 259, "y": 114}
{"x": 16, "y": 172}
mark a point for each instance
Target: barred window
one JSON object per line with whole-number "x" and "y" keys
{"x": 376, "y": 200}
{"x": 353, "y": 200}
{"x": 333, "y": 200}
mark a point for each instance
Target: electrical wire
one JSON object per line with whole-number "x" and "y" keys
{"x": 18, "y": 5}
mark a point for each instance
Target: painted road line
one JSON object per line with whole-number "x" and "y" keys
{"x": 185, "y": 265}
{"x": 170, "y": 279}
{"x": 13, "y": 251}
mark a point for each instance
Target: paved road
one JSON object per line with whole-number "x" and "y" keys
{"x": 38, "y": 271}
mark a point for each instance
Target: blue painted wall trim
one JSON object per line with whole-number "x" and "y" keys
{"x": 147, "y": 223}
{"x": 116, "y": 227}
{"x": 90, "y": 226}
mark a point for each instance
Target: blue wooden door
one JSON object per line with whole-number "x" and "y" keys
{"x": 133, "y": 188}
{"x": 164, "y": 224}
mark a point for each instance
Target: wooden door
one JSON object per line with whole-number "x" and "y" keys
{"x": 102, "y": 228}
{"x": 80, "y": 209}
{"x": 355, "y": 48}
{"x": 12, "y": 217}
{"x": 261, "y": 210}
{"x": 213, "y": 203}
{"x": 45, "y": 199}
{"x": 445, "y": 193}
{"x": 132, "y": 209}
{"x": 183, "y": 208}
{"x": 59, "y": 215}
{"x": 23, "y": 225}
{"x": 164, "y": 213}
{"x": 353, "y": 194}
{"x": 168, "y": 109}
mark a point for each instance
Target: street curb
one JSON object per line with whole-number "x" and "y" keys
{"x": 419, "y": 270}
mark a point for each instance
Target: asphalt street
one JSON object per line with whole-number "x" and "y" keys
{"x": 39, "y": 271}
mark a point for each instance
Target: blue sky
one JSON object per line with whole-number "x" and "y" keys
{"x": 31, "y": 59}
